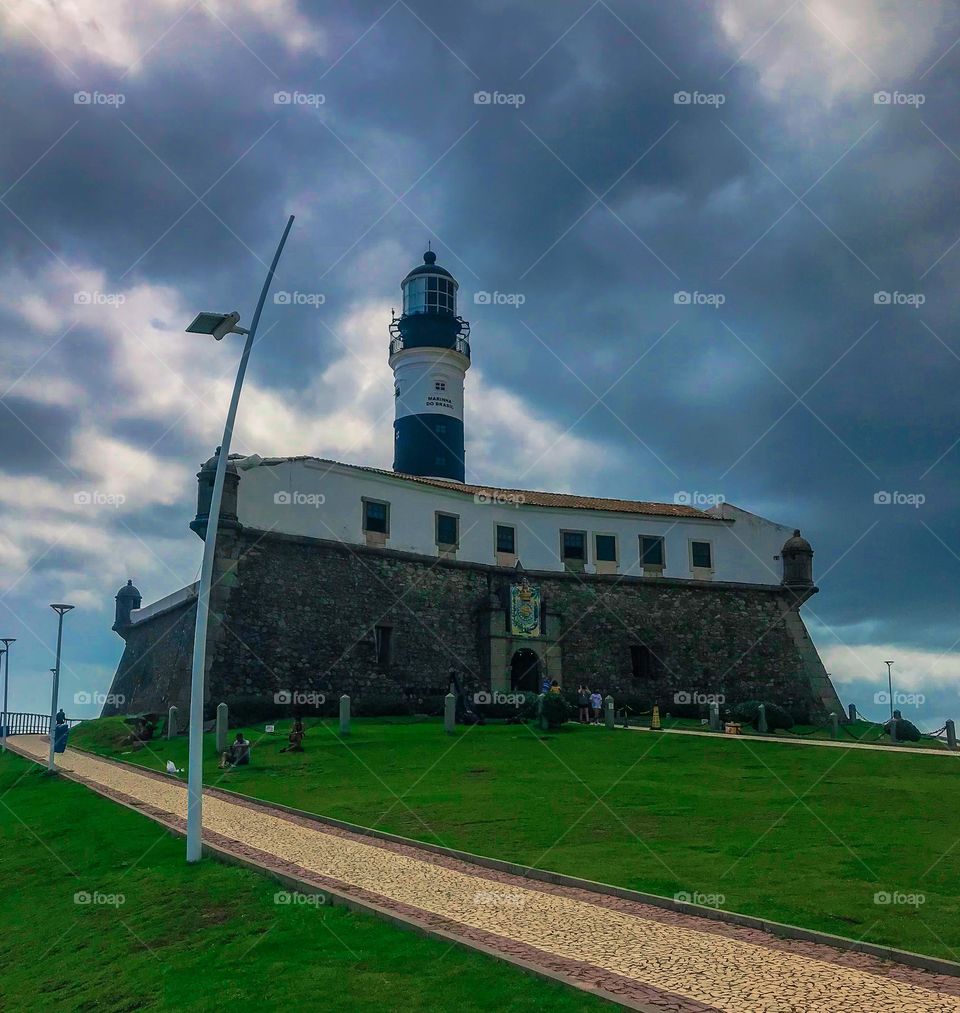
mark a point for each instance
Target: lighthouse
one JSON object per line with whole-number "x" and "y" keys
{"x": 429, "y": 356}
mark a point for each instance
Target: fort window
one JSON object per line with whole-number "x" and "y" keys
{"x": 376, "y": 516}
{"x": 701, "y": 556}
{"x": 440, "y": 385}
{"x": 651, "y": 552}
{"x": 506, "y": 538}
{"x": 573, "y": 549}
{"x": 605, "y": 548}
{"x": 643, "y": 661}
{"x": 448, "y": 530}
{"x": 383, "y": 639}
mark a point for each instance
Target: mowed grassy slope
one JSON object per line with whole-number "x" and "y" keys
{"x": 201, "y": 937}
{"x": 797, "y": 834}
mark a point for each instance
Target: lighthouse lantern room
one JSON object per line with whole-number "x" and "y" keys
{"x": 429, "y": 356}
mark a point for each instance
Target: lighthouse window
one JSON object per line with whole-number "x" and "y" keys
{"x": 448, "y": 526}
{"x": 701, "y": 555}
{"x": 440, "y": 385}
{"x": 376, "y": 516}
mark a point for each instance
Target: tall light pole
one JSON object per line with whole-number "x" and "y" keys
{"x": 890, "y": 685}
{"x": 61, "y": 610}
{"x": 7, "y": 641}
{"x": 219, "y": 325}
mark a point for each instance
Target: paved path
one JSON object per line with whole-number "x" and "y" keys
{"x": 641, "y": 956}
{"x": 792, "y": 740}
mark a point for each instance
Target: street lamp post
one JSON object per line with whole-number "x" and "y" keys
{"x": 218, "y": 325}
{"x": 7, "y": 641}
{"x": 61, "y": 610}
{"x": 890, "y": 685}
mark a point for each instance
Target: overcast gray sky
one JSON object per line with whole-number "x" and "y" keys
{"x": 731, "y": 232}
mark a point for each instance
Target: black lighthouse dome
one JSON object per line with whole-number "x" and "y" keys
{"x": 429, "y": 318}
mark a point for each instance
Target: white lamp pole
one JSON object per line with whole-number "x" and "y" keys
{"x": 7, "y": 641}
{"x": 218, "y": 325}
{"x": 61, "y": 610}
{"x": 889, "y": 665}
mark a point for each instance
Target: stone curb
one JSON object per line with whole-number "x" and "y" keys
{"x": 782, "y": 929}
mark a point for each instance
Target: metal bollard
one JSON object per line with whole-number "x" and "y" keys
{"x": 608, "y": 713}
{"x": 171, "y": 722}
{"x": 834, "y": 726}
{"x": 345, "y": 715}
{"x": 951, "y": 735}
{"x": 762, "y": 726}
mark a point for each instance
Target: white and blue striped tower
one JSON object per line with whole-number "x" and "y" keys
{"x": 429, "y": 356}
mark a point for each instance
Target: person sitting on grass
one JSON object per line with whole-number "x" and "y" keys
{"x": 238, "y": 755}
{"x": 297, "y": 733}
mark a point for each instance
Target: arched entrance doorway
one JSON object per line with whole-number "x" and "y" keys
{"x": 525, "y": 671}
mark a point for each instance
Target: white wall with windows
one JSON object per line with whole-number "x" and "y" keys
{"x": 323, "y": 499}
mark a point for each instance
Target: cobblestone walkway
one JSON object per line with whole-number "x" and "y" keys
{"x": 642, "y": 956}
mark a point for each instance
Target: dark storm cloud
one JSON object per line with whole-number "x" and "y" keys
{"x": 685, "y": 196}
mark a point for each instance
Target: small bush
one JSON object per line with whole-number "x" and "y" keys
{"x": 748, "y": 712}
{"x": 556, "y": 710}
{"x": 907, "y": 731}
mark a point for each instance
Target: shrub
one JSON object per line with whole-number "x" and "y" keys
{"x": 907, "y": 731}
{"x": 749, "y": 713}
{"x": 556, "y": 710}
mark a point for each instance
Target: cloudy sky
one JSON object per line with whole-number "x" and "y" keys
{"x": 721, "y": 243}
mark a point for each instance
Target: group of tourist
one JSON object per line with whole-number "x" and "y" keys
{"x": 238, "y": 755}
{"x": 589, "y": 704}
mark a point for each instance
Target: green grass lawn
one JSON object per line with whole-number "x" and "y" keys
{"x": 794, "y": 834}
{"x": 201, "y": 937}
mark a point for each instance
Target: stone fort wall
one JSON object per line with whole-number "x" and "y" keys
{"x": 298, "y": 614}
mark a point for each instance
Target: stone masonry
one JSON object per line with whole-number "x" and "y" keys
{"x": 300, "y": 614}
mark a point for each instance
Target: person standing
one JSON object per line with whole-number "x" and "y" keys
{"x": 583, "y": 702}
{"x": 596, "y": 705}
